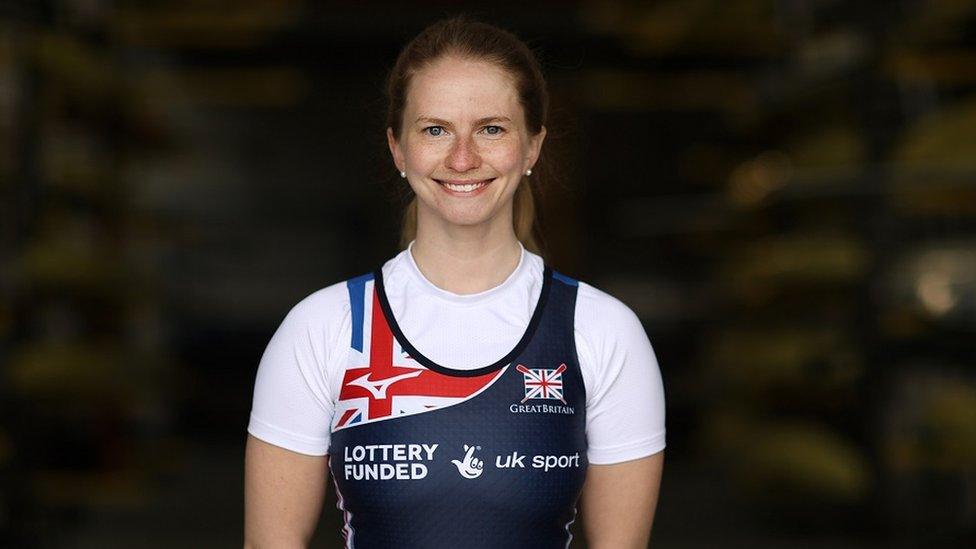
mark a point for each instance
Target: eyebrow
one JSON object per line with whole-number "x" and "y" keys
{"x": 478, "y": 122}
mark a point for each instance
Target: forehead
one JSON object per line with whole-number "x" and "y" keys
{"x": 455, "y": 87}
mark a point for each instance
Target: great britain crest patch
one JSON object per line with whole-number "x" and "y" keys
{"x": 543, "y": 383}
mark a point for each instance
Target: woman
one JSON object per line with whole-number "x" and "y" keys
{"x": 465, "y": 394}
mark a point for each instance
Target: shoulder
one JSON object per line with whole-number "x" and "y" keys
{"x": 324, "y": 302}
{"x": 329, "y": 306}
{"x": 317, "y": 327}
{"x": 599, "y": 313}
{"x": 609, "y": 335}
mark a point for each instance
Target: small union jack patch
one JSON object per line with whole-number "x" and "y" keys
{"x": 540, "y": 383}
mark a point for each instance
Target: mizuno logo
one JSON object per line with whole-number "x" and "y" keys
{"x": 378, "y": 387}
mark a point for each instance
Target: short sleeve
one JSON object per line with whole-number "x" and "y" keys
{"x": 625, "y": 393}
{"x": 293, "y": 406}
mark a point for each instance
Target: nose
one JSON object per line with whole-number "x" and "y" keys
{"x": 463, "y": 155}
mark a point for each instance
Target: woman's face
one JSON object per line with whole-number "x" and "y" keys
{"x": 464, "y": 143}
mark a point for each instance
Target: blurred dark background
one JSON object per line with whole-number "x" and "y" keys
{"x": 784, "y": 191}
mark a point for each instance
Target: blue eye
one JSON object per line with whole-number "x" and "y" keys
{"x": 431, "y": 129}
{"x": 499, "y": 128}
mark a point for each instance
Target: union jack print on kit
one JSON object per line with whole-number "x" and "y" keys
{"x": 381, "y": 381}
{"x": 541, "y": 383}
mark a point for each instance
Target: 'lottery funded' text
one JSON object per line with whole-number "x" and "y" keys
{"x": 387, "y": 461}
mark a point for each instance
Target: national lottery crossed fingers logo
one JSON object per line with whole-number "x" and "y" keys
{"x": 470, "y": 466}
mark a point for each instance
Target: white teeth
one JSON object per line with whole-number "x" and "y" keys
{"x": 465, "y": 188}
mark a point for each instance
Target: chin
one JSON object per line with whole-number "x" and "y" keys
{"x": 474, "y": 214}
{"x": 465, "y": 216}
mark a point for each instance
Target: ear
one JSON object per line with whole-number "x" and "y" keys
{"x": 535, "y": 147}
{"x": 395, "y": 150}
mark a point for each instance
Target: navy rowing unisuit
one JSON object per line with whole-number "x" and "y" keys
{"x": 426, "y": 456}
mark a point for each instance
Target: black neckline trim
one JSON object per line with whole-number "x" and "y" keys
{"x": 416, "y": 355}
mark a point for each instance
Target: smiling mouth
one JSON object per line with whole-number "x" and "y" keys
{"x": 464, "y": 186}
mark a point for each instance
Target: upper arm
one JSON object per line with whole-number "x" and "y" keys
{"x": 283, "y": 495}
{"x": 625, "y": 427}
{"x": 618, "y": 502}
{"x": 625, "y": 409}
{"x": 286, "y": 466}
{"x": 293, "y": 388}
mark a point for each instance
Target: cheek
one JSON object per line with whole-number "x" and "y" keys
{"x": 504, "y": 156}
{"x": 426, "y": 154}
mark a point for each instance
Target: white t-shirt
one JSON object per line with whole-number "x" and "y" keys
{"x": 301, "y": 371}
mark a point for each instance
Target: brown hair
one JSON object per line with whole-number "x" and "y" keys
{"x": 472, "y": 39}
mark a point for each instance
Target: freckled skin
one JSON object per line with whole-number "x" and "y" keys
{"x": 459, "y": 93}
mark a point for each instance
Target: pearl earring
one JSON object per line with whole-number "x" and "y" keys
{"x": 528, "y": 171}
{"x": 403, "y": 174}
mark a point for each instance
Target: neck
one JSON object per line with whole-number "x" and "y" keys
{"x": 466, "y": 260}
